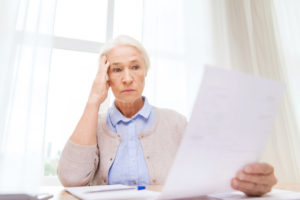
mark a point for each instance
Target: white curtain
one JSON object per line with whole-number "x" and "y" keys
{"x": 26, "y": 40}
{"x": 235, "y": 34}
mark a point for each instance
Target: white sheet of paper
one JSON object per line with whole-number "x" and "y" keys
{"x": 81, "y": 192}
{"x": 232, "y": 117}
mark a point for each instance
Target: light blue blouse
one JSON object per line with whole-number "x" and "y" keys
{"x": 129, "y": 166}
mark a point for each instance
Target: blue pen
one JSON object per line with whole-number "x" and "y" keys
{"x": 139, "y": 187}
{"x": 117, "y": 189}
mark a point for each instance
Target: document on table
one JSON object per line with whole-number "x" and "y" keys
{"x": 110, "y": 192}
{"x": 231, "y": 119}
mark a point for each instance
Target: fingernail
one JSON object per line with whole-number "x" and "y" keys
{"x": 248, "y": 169}
{"x": 241, "y": 176}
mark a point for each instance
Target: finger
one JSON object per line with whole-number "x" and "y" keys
{"x": 103, "y": 61}
{"x": 259, "y": 168}
{"x": 107, "y": 84}
{"x": 103, "y": 65}
{"x": 250, "y": 189}
{"x": 257, "y": 178}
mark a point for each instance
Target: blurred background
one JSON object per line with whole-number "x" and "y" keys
{"x": 49, "y": 56}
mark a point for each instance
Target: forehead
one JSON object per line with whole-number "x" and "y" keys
{"x": 124, "y": 54}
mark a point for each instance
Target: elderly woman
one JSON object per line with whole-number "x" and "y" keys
{"x": 135, "y": 142}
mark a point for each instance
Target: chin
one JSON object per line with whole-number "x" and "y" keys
{"x": 128, "y": 98}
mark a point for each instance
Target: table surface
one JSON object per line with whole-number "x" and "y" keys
{"x": 60, "y": 194}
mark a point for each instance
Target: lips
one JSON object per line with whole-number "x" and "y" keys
{"x": 128, "y": 90}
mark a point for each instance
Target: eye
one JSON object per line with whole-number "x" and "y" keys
{"x": 136, "y": 67}
{"x": 116, "y": 69}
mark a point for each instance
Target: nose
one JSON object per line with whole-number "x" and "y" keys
{"x": 127, "y": 77}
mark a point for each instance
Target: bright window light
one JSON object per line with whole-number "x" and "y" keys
{"x": 128, "y": 18}
{"x": 81, "y": 19}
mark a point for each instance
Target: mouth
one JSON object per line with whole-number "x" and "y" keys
{"x": 128, "y": 90}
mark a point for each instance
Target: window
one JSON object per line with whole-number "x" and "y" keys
{"x": 81, "y": 27}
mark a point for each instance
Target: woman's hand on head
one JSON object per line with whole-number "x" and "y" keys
{"x": 255, "y": 179}
{"x": 100, "y": 86}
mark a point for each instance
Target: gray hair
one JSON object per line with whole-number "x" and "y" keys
{"x": 127, "y": 40}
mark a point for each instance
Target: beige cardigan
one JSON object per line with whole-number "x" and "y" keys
{"x": 89, "y": 165}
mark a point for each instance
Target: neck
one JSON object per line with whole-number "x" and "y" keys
{"x": 129, "y": 109}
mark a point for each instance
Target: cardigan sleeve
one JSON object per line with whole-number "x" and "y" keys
{"x": 77, "y": 164}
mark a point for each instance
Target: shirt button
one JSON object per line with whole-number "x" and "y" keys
{"x": 148, "y": 157}
{"x": 110, "y": 159}
{"x": 154, "y": 180}
{"x": 104, "y": 180}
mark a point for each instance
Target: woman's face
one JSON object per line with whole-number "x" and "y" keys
{"x": 126, "y": 73}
